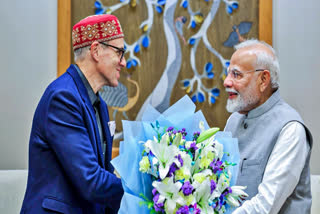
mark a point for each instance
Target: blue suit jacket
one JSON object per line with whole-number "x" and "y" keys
{"x": 66, "y": 169}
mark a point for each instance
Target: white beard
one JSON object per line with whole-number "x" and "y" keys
{"x": 234, "y": 105}
{"x": 242, "y": 102}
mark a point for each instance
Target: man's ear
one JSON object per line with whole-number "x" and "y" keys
{"x": 265, "y": 80}
{"x": 94, "y": 51}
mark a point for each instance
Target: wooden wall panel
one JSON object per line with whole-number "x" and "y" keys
{"x": 265, "y": 21}
{"x": 64, "y": 29}
{"x": 64, "y": 36}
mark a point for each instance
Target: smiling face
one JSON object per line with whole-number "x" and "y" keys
{"x": 243, "y": 91}
{"x": 109, "y": 64}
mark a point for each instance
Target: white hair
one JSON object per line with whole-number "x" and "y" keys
{"x": 264, "y": 60}
{"x": 80, "y": 53}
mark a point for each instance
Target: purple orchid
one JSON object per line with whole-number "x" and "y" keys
{"x": 170, "y": 129}
{"x": 227, "y": 191}
{"x": 193, "y": 146}
{"x": 154, "y": 191}
{"x": 216, "y": 165}
{"x": 196, "y": 135}
{"x": 180, "y": 159}
{"x": 212, "y": 186}
{"x": 183, "y": 210}
{"x": 187, "y": 188}
{"x": 172, "y": 169}
{"x": 157, "y": 206}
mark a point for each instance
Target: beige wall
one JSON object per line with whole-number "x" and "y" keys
{"x": 296, "y": 38}
{"x": 28, "y": 63}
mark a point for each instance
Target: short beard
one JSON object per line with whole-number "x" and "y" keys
{"x": 235, "y": 105}
{"x": 242, "y": 103}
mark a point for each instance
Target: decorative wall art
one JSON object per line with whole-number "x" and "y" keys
{"x": 176, "y": 47}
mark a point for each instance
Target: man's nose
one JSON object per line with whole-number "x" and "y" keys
{"x": 123, "y": 62}
{"x": 227, "y": 83}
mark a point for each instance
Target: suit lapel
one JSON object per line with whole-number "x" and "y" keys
{"x": 104, "y": 122}
{"x": 85, "y": 97}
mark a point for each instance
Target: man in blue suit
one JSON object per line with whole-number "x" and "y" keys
{"x": 70, "y": 144}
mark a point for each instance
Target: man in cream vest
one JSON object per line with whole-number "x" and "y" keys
{"x": 274, "y": 143}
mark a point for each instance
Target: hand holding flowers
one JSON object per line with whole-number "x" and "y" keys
{"x": 175, "y": 172}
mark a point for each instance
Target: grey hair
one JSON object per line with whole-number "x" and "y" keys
{"x": 80, "y": 53}
{"x": 264, "y": 60}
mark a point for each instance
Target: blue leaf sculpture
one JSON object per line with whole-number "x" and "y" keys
{"x": 145, "y": 42}
{"x": 229, "y": 9}
{"x": 184, "y": 19}
{"x": 185, "y": 4}
{"x": 235, "y": 5}
{"x": 209, "y": 67}
{"x": 129, "y": 64}
{"x": 186, "y": 83}
{"x": 192, "y": 41}
{"x": 99, "y": 11}
{"x": 159, "y": 9}
{"x": 134, "y": 63}
{"x": 137, "y": 48}
{"x": 161, "y": 2}
{"x": 194, "y": 98}
{"x": 210, "y": 75}
{"x": 212, "y": 100}
{"x": 200, "y": 97}
{"x": 97, "y": 4}
{"x": 215, "y": 92}
{"x": 193, "y": 24}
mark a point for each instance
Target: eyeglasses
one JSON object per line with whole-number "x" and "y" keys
{"x": 120, "y": 51}
{"x": 237, "y": 75}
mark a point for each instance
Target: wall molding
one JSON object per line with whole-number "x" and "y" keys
{"x": 64, "y": 36}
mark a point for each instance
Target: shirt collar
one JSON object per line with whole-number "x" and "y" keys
{"x": 92, "y": 96}
{"x": 266, "y": 106}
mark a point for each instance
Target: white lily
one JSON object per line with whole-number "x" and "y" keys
{"x": 177, "y": 139}
{"x": 218, "y": 149}
{"x": 164, "y": 153}
{"x": 208, "y": 143}
{"x": 202, "y": 195}
{"x": 169, "y": 191}
{"x": 200, "y": 177}
{"x": 222, "y": 184}
{"x": 185, "y": 171}
{"x": 188, "y": 144}
{"x": 207, "y": 155}
{"x": 233, "y": 197}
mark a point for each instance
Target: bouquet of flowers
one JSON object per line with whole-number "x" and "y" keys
{"x": 166, "y": 170}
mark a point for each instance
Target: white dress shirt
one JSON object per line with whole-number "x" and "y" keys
{"x": 282, "y": 172}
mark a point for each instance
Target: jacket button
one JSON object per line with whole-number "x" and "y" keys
{"x": 245, "y": 126}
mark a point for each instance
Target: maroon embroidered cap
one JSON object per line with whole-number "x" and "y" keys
{"x": 96, "y": 28}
